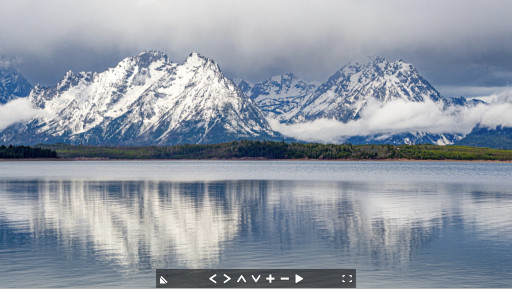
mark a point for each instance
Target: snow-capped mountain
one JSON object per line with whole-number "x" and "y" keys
{"x": 149, "y": 100}
{"x": 279, "y": 97}
{"x": 12, "y": 85}
{"x": 348, "y": 90}
{"x": 346, "y": 94}
{"x": 145, "y": 99}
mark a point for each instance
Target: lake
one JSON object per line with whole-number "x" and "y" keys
{"x": 113, "y": 223}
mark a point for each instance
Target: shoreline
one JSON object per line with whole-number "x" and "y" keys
{"x": 92, "y": 159}
{"x": 262, "y": 151}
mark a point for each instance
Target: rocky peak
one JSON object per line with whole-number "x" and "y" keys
{"x": 146, "y": 58}
{"x": 12, "y": 85}
{"x": 71, "y": 79}
{"x": 196, "y": 61}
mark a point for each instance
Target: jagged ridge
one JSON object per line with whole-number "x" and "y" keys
{"x": 348, "y": 90}
{"x": 145, "y": 99}
{"x": 281, "y": 96}
{"x": 345, "y": 94}
{"x": 12, "y": 85}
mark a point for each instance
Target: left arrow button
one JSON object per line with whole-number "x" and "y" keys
{"x": 211, "y": 278}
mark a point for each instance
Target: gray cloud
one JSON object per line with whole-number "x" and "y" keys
{"x": 8, "y": 62}
{"x": 453, "y": 43}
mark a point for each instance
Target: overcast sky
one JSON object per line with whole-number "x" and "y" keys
{"x": 461, "y": 47}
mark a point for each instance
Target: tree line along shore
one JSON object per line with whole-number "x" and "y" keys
{"x": 26, "y": 152}
{"x": 253, "y": 149}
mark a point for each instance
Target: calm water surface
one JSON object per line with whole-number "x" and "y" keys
{"x": 413, "y": 224}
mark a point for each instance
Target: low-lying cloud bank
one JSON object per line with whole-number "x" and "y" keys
{"x": 401, "y": 116}
{"x": 17, "y": 110}
{"x": 376, "y": 119}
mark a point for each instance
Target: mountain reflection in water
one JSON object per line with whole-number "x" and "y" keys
{"x": 138, "y": 226}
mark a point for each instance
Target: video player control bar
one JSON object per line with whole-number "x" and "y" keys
{"x": 256, "y": 278}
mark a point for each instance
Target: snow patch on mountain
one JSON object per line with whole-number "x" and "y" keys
{"x": 280, "y": 96}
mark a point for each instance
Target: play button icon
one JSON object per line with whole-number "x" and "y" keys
{"x": 298, "y": 278}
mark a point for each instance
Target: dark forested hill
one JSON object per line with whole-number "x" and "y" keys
{"x": 500, "y": 138}
{"x": 23, "y": 152}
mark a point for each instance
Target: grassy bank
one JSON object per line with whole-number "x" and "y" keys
{"x": 282, "y": 150}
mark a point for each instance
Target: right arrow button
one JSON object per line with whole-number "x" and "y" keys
{"x": 298, "y": 278}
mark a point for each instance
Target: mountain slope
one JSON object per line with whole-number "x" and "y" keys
{"x": 280, "y": 96}
{"x": 348, "y": 90}
{"x": 146, "y": 99}
{"x": 499, "y": 138}
{"x": 352, "y": 88}
{"x": 12, "y": 85}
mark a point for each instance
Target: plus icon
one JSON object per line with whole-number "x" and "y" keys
{"x": 270, "y": 278}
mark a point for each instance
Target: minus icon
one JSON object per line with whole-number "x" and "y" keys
{"x": 285, "y": 278}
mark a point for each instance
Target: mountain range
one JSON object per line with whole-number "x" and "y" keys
{"x": 281, "y": 96}
{"x": 144, "y": 100}
{"x": 347, "y": 92}
{"x": 149, "y": 100}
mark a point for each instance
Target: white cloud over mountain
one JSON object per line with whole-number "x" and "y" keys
{"x": 400, "y": 116}
{"x": 18, "y": 110}
{"x": 386, "y": 119}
